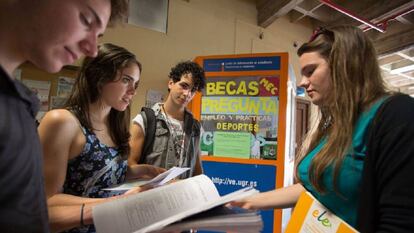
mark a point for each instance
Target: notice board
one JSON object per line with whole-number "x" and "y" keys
{"x": 243, "y": 114}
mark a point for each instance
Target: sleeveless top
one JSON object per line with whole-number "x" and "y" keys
{"x": 97, "y": 167}
{"x": 343, "y": 201}
{"x": 167, "y": 150}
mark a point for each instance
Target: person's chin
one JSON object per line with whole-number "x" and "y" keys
{"x": 121, "y": 108}
{"x": 52, "y": 67}
{"x": 55, "y": 69}
{"x": 182, "y": 102}
{"x": 316, "y": 101}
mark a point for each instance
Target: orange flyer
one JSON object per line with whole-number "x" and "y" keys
{"x": 310, "y": 216}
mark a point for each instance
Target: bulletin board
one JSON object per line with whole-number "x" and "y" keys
{"x": 52, "y": 89}
{"x": 243, "y": 114}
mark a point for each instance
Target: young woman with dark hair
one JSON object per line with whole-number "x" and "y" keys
{"x": 85, "y": 145}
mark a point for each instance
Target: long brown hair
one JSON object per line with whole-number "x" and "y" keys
{"x": 356, "y": 84}
{"x": 93, "y": 75}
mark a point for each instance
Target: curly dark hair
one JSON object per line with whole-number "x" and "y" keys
{"x": 189, "y": 67}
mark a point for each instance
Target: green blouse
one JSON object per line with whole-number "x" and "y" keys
{"x": 344, "y": 201}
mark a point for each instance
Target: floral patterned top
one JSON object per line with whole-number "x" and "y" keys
{"x": 97, "y": 167}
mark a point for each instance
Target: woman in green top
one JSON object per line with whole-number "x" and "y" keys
{"x": 342, "y": 78}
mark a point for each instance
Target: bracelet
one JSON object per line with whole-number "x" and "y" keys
{"x": 81, "y": 215}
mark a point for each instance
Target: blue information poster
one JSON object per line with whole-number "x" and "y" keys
{"x": 229, "y": 177}
{"x": 243, "y": 112}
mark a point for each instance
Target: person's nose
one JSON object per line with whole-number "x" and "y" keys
{"x": 131, "y": 89}
{"x": 187, "y": 92}
{"x": 304, "y": 82}
{"x": 89, "y": 45}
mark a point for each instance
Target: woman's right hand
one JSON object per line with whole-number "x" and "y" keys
{"x": 276, "y": 199}
{"x": 250, "y": 203}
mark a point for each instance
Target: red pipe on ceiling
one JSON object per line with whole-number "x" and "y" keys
{"x": 384, "y": 22}
{"x": 352, "y": 15}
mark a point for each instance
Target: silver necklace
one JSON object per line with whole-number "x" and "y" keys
{"x": 175, "y": 136}
{"x": 327, "y": 123}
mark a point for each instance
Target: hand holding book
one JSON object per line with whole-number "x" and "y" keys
{"x": 157, "y": 208}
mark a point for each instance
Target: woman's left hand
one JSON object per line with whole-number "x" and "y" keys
{"x": 136, "y": 190}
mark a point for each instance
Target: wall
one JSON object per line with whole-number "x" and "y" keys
{"x": 204, "y": 27}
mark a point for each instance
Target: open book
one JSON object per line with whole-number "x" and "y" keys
{"x": 155, "y": 210}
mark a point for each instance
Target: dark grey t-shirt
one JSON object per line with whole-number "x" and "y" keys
{"x": 22, "y": 197}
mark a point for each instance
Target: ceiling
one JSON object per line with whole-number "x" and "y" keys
{"x": 389, "y": 23}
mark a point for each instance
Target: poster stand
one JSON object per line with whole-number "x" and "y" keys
{"x": 243, "y": 114}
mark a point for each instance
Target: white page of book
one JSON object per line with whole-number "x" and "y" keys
{"x": 165, "y": 177}
{"x": 161, "y": 179}
{"x": 239, "y": 194}
{"x": 126, "y": 215}
{"x": 130, "y": 184}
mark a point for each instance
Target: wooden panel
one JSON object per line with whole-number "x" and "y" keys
{"x": 270, "y": 10}
{"x": 396, "y": 40}
{"x": 302, "y": 121}
{"x": 367, "y": 9}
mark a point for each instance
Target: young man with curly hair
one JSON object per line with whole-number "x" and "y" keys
{"x": 168, "y": 135}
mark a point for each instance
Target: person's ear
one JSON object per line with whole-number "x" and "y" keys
{"x": 99, "y": 88}
{"x": 170, "y": 83}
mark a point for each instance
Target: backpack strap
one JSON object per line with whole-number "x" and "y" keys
{"x": 148, "y": 116}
